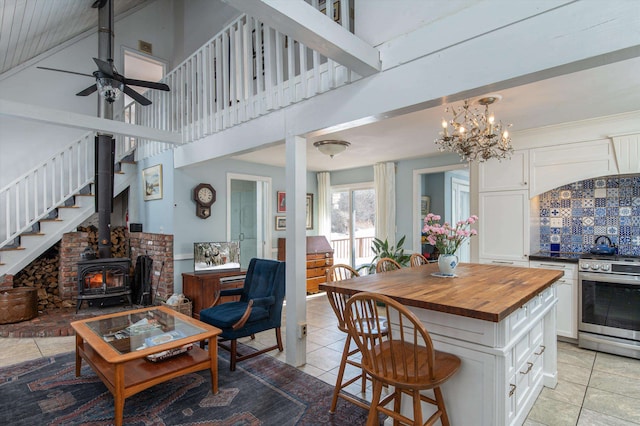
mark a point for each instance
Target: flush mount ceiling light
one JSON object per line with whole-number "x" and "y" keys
{"x": 331, "y": 147}
{"x": 473, "y": 134}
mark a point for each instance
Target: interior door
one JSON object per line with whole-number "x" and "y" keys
{"x": 247, "y": 215}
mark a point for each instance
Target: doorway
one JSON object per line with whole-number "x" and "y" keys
{"x": 247, "y": 215}
{"x": 448, "y": 191}
{"x": 353, "y": 213}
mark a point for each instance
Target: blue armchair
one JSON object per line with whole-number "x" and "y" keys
{"x": 259, "y": 308}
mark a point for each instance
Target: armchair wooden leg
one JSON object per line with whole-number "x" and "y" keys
{"x": 234, "y": 355}
{"x": 279, "y": 339}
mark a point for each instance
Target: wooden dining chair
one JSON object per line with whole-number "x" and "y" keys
{"x": 387, "y": 264}
{"x": 403, "y": 357}
{"x": 417, "y": 259}
{"x": 338, "y": 301}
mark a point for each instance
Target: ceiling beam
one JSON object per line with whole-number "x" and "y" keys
{"x": 80, "y": 121}
{"x": 310, "y": 27}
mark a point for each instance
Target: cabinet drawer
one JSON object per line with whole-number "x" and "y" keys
{"x": 317, "y": 272}
{"x": 570, "y": 269}
{"x": 315, "y": 263}
{"x": 316, "y": 256}
{"x": 314, "y": 283}
{"x": 517, "y": 321}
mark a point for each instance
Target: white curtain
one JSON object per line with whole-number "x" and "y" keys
{"x": 384, "y": 179}
{"x": 324, "y": 204}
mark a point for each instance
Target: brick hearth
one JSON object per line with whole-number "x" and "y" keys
{"x": 55, "y": 322}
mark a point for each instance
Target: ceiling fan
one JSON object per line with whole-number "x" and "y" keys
{"x": 109, "y": 83}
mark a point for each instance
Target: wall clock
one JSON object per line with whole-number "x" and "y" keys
{"x": 204, "y": 195}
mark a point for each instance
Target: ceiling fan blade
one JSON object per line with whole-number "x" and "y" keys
{"x": 104, "y": 67}
{"x": 68, "y": 72}
{"x": 89, "y": 90}
{"x": 149, "y": 84}
{"x": 136, "y": 96}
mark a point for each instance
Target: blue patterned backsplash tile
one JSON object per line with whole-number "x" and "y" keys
{"x": 574, "y": 215}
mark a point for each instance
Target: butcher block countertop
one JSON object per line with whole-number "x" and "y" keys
{"x": 486, "y": 292}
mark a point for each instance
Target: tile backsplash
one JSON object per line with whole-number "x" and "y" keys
{"x": 574, "y": 215}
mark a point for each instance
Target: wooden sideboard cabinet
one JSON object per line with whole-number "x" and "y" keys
{"x": 319, "y": 258}
{"x": 202, "y": 288}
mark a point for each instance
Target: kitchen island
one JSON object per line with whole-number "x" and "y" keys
{"x": 501, "y": 322}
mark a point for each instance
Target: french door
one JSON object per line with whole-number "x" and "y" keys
{"x": 353, "y": 212}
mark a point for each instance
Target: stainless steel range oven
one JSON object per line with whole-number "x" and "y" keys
{"x": 609, "y": 304}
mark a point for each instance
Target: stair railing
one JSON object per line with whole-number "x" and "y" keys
{"x": 35, "y": 194}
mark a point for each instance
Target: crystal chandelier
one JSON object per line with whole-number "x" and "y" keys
{"x": 473, "y": 135}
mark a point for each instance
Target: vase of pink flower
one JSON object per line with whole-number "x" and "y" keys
{"x": 447, "y": 239}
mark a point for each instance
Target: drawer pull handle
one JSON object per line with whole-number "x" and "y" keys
{"x": 542, "y": 348}
{"x": 512, "y": 389}
{"x": 529, "y": 367}
{"x": 503, "y": 262}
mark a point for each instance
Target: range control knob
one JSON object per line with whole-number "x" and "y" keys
{"x": 605, "y": 267}
{"x": 595, "y": 266}
{"x": 584, "y": 266}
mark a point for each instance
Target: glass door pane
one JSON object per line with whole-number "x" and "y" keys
{"x": 364, "y": 202}
{"x": 341, "y": 227}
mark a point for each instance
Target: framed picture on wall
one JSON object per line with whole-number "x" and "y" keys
{"x": 281, "y": 202}
{"x": 425, "y": 205}
{"x": 309, "y": 211}
{"x": 152, "y": 183}
{"x": 281, "y": 223}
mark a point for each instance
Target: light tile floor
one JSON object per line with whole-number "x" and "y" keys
{"x": 593, "y": 388}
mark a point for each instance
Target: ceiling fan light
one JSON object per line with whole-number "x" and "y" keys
{"x": 109, "y": 89}
{"x": 331, "y": 147}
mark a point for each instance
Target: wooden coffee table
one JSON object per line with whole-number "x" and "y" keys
{"x": 114, "y": 346}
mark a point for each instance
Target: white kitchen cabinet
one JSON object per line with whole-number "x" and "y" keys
{"x": 510, "y": 174}
{"x": 503, "y": 227}
{"x": 567, "y": 312}
{"x": 554, "y": 166}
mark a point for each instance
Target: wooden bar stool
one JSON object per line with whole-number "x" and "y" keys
{"x": 338, "y": 301}
{"x": 402, "y": 357}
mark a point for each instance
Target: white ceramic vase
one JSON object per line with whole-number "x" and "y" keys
{"x": 447, "y": 264}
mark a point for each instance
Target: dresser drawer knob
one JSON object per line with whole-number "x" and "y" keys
{"x": 512, "y": 389}
{"x": 542, "y": 348}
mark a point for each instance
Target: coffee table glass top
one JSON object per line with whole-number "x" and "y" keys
{"x": 139, "y": 330}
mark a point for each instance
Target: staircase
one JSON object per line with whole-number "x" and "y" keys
{"x": 39, "y": 234}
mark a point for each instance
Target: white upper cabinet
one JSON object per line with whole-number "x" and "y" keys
{"x": 506, "y": 175}
{"x": 554, "y": 166}
{"x": 627, "y": 150}
{"x": 503, "y": 228}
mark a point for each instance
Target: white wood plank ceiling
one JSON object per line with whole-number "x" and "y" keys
{"x": 31, "y": 27}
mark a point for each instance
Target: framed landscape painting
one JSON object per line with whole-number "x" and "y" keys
{"x": 152, "y": 183}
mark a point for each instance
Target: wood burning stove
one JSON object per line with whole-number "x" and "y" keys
{"x": 103, "y": 278}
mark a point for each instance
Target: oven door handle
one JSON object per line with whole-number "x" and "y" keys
{"x": 610, "y": 278}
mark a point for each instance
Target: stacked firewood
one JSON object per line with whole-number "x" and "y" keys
{"x": 42, "y": 274}
{"x": 119, "y": 244}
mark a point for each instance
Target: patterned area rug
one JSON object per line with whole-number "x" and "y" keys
{"x": 262, "y": 391}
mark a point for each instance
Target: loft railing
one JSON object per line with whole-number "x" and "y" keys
{"x": 35, "y": 194}
{"x": 245, "y": 71}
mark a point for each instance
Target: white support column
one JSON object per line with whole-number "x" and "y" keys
{"x": 296, "y": 254}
